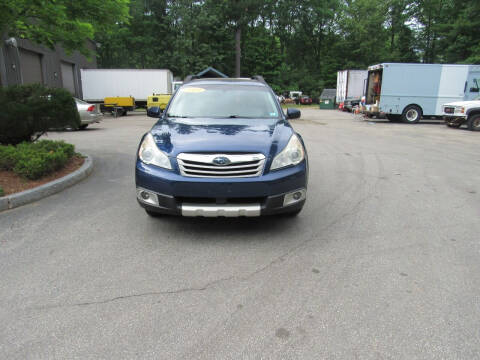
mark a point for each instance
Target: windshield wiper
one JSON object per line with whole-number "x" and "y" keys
{"x": 177, "y": 116}
{"x": 239, "y": 117}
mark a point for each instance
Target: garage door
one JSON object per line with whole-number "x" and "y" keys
{"x": 68, "y": 77}
{"x": 31, "y": 67}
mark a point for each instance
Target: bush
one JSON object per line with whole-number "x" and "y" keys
{"x": 50, "y": 145}
{"x": 8, "y": 157}
{"x": 28, "y": 111}
{"x": 34, "y": 160}
{"x": 1, "y": 192}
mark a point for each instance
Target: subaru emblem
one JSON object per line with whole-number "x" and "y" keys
{"x": 221, "y": 161}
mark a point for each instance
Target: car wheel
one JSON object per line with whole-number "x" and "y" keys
{"x": 393, "y": 118}
{"x": 152, "y": 213}
{"x": 83, "y": 127}
{"x": 412, "y": 114}
{"x": 474, "y": 122}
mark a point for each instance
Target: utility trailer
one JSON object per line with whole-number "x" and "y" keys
{"x": 98, "y": 84}
{"x": 351, "y": 87}
{"x": 408, "y": 92}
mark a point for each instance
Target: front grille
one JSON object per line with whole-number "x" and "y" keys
{"x": 449, "y": 110}
{"x": 221, "y": 165}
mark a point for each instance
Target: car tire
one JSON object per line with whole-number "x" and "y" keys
{"x": 412, "y": 114}
{"x": 393, "y": 118}
{"x": 83, "y": 127}
{"x": 474, "y": 122}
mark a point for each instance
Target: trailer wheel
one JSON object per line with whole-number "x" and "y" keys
{"x": 474, "y": 122}
{"x": 412, "y": 114}
{"x": 393, "y": 117}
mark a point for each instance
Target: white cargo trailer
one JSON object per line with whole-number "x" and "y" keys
{"x": 97, "y": 84}
{"x": 351, "y": 84}
{"x": 409, "y": 91}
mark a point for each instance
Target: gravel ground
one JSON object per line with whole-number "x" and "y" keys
{"x": 383, "y": 262}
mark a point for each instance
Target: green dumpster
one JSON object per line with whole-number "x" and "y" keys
{"x": 327, "y": 99}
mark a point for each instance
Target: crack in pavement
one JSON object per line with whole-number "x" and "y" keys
{"x": 151, "y": 293}
{"x": 210, "y": 284}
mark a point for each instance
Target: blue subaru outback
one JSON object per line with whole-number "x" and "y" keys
{"x": 222, "y": 147}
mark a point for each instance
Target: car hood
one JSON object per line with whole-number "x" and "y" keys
{"x": 464, "y": 103}
{"x": 198, "y": 135}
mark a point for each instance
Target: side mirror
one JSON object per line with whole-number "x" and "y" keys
{"x": 293, "y": 113}
{"x": 154, "y": 112}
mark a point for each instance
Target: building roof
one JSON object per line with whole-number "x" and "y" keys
{"x": 220, "y": 81}
{"x": 328, "y": 94}
{"x": 211, "y": 72}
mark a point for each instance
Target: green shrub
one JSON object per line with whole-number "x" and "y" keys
{"x": 8, "y": 157}
{"x": 28, "y": 111}
{"x": 40, "y": 164}
{"x": 1, "y": 192}
{"x": 34, "y": 160}
{"x": 50, "y": 145}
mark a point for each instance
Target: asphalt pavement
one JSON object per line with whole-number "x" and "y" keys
{"x": 382, "y": 263}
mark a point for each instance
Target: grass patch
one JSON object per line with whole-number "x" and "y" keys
{"x": 35, "y": 160}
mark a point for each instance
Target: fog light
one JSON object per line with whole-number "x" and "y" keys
{"x": 294, "y": 197}
{"x": 147, "y": 197}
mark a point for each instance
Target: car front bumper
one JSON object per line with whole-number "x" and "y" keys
{"x": 167, "y": 192}
{"x": 455, "y": 119}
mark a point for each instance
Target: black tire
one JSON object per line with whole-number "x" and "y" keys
{"x": 412, "y": 114}
{"x": 83, "y": 127}
{"x": 152, "y": 213}
{"x": 393, "y": 118}
{"x": 473, "y": 122}
{"x": 124, "y": 113}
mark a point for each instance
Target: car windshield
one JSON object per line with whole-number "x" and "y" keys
{"x": 223, "y": 101}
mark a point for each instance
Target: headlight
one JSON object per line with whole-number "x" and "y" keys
{"x": 461, "y": 110}
{"x": 293, "y": 154}
{"x": 149, "y": 153}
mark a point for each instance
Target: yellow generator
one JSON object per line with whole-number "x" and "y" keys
{"x": 159, "y": 100}
{"x": 118, "y": 105}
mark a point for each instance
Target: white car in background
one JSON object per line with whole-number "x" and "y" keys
{"x": 89, "y": 113}
{"x": 458, "y": 113}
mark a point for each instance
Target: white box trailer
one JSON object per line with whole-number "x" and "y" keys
{"x": 409, "y": 91}
{"x": 97, "y": 84}
{"x": 351, "y": 84}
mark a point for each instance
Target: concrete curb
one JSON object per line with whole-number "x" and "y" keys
{"x": 31, "y": 195}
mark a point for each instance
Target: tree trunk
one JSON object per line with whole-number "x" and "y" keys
{"x": 238, "y": 50}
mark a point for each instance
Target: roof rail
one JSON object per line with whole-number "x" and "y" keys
{"x": 189, "y": 78}
{"x": 259, "y": 78}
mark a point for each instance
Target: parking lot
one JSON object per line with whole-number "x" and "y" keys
{"x": 381, "y": 263}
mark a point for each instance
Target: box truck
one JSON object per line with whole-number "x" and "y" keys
{"x": 407, "y": 92}
{"x": 98, "y": 84}
{"x": 351, "y": 87}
